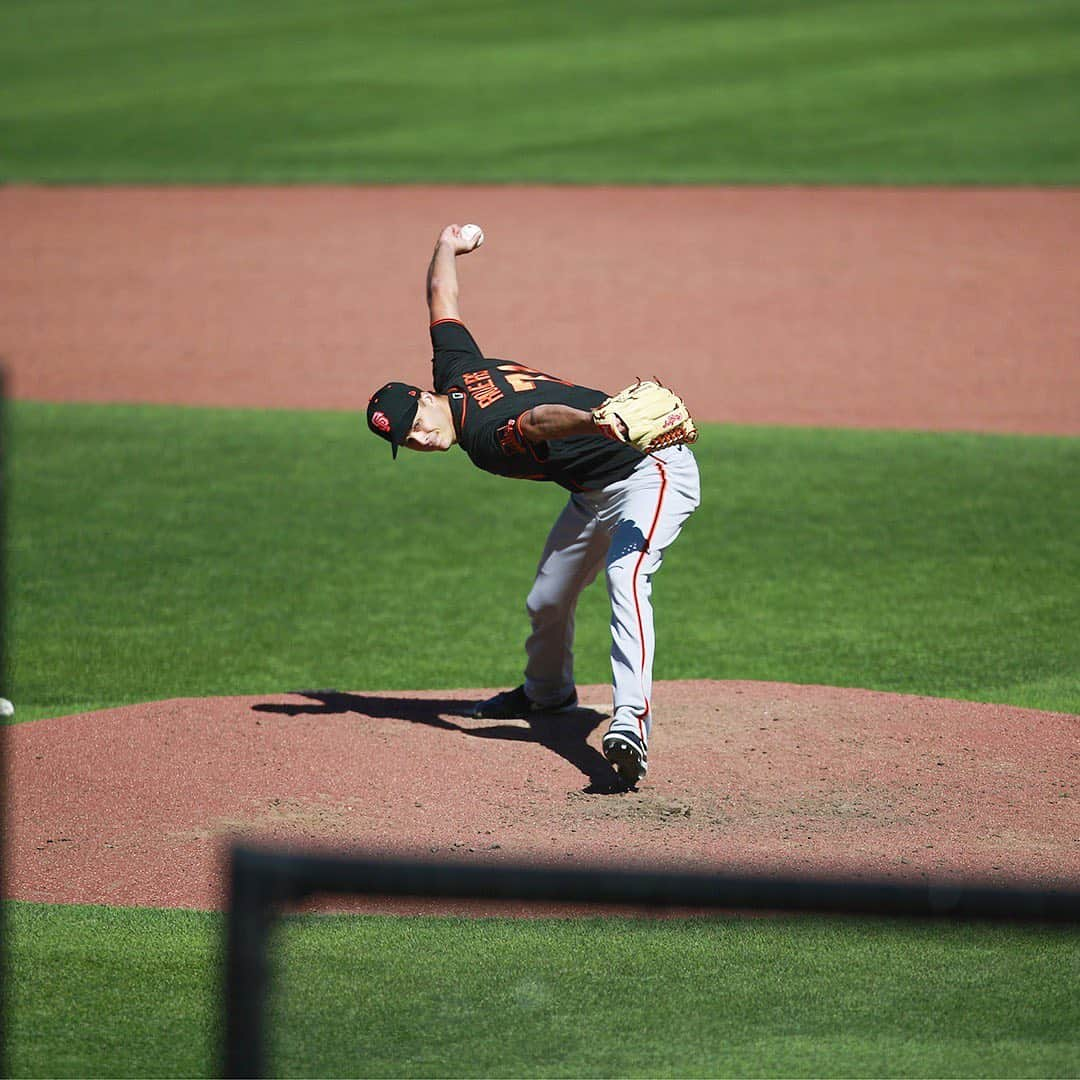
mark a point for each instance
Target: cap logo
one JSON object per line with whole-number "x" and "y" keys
{"x": 380, "y": 420}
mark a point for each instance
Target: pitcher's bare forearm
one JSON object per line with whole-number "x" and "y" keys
{"x": 545, "y": 422}
{"x": 442, "y": 282}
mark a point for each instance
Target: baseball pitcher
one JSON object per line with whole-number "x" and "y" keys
{"x": 632, "y": 479}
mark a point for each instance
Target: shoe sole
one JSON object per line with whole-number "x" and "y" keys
{"x": 625, "y": 759}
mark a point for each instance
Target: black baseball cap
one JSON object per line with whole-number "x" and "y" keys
{"x": 391, "y": 411}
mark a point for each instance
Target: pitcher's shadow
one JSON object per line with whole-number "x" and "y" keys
{"x": 565, "y": 734}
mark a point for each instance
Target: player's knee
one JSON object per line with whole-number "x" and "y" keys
{"x": 545, "y": 604}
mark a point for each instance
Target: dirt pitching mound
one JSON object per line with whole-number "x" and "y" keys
{"x": 135, "y": 806}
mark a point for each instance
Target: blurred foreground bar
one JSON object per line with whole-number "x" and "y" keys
{"x": 261, "y": 881}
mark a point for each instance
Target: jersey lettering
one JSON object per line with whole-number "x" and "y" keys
{"x": 481, "y": 387}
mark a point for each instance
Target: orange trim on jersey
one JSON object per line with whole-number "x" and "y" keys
{"x": 637, "y": 604}
{"x": 438, "y": 321}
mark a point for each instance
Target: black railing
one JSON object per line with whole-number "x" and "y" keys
{"x": 262, "y": 881}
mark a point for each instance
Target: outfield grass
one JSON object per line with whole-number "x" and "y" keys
{"x": 100, "y": 991}
{"x": 838, "y": 91}
{"x": 161, "y": 552}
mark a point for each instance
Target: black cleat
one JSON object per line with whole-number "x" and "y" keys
{"x": 517, "y": 705}
{"x": 628, "y": 755}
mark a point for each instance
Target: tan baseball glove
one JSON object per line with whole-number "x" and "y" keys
{"x": 646, "y": 415}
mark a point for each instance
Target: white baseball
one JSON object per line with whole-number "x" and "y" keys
{"x": 473, "y": 235}
{"x": 6, "y": 708}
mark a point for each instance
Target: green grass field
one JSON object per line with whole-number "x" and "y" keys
{"x": 164, "y": 552}
{"x": 596, "y": 997}
{"x": 838, "y": 91}
{"x": 158, "y": 552}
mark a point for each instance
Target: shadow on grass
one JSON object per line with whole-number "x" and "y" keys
{"x": 565, "y": 734}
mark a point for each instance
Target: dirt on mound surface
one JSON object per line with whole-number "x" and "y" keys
{"x": 135, "y": 805}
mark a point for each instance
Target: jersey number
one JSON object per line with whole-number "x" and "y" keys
{"x": 524, "y": 379}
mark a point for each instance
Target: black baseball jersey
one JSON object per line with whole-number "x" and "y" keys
{"x": 487, "y": 399}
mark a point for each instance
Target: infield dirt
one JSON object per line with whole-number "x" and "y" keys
{"x": 851, "y": 308}
{"x": 922, "y": 309}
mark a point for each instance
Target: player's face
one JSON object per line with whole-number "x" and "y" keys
{"x": 429, "y": 430}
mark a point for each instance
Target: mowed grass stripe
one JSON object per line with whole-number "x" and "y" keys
{"x": 159, "y": 552}
{"x": 840, "y": 91}
{"x": 99, "y": 991}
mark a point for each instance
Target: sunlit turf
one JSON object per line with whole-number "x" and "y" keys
{"x": 778, "y": 91}
{"x": 134, "y": 992}
{"x": 159, "y": 552}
